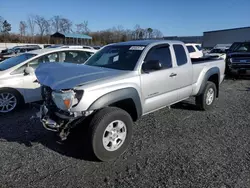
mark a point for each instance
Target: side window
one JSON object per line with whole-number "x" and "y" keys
{"x": 180, "y": 54}
{"x": 77, "y": 57}
{"x": 53, "y": 57}
{"x": 190, "y": 49}
{"x": 162, "y": 54}
{"x": 22, "y": 50}
{"x": 19, "y": 70}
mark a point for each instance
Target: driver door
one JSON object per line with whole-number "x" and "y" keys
{"x": 159, "y": 87}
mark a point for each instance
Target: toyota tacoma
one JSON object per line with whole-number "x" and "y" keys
{"x": 121, "y": 83}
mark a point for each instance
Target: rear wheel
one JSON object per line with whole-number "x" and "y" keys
{"x": 207, "y": 98}
{"x": 111, "y": 132}
{"x": 10, "y": 100}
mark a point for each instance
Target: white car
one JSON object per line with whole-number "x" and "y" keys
{"x": 18, "y": 83}
{"x": 194, "y": 50}
{"x": 79, "y": 46}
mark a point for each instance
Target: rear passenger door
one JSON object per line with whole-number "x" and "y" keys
{"x": 159, "y": 86}
{"x": 184, "y": 72}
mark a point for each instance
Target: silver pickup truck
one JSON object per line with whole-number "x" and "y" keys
{"x": 121, "y": 83}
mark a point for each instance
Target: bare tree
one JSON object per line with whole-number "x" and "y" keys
{"x": 137, "y": 31}
{"x": 42, "y": 24}
{"x": 61, "y": 24}
{"x": 82, "y": 27}
{"x": 22, "y": 28}
{"x": 56, "y": 23}
{"x": 31, "y": 24}
{"x": 65, "y": 25}
{"x": 157, "y": 33}
{"x": 48, "y": 27}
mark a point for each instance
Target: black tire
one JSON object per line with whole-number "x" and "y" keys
{"x": 18, "y": 97}
{"x": 201, "y": 99}
{"x": 97, "y": 126}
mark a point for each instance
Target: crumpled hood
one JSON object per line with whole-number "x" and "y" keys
{"x": 68, "y": 75}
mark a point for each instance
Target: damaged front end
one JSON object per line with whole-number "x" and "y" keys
{"x": 56, "y": 114}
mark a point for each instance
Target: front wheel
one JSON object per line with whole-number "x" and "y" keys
{"x": 207, "y": 98}
{"x": 110, "y": 133}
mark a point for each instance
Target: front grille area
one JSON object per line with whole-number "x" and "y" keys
{"x": 240, "y": 66}
{"x": 47, "y": 97}
{"x": 49, "y": 103}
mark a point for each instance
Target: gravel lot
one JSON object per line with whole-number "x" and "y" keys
{"x": 178, "y": 147}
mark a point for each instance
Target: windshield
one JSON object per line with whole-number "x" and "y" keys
{"x": 243, "y": 47}
{"x": 116, "y": 57}
{"x": 198, "y": 47}
{"x": 11, "y": 62}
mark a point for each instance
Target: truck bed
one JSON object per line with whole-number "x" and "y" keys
{"x": 200, "y": 67}
{"x": 205, "y": 60}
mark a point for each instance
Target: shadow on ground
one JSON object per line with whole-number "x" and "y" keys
{"x": 185, "y": 105}
{"x": 18, "y": 127}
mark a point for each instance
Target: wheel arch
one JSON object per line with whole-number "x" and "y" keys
{"x": 212, "y": 75}
{"x": 127, "y": 99}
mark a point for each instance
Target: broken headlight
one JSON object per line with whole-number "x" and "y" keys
{"x": 65, "y": 100}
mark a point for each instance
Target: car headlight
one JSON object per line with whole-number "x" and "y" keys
{"x": 65, "y": 99}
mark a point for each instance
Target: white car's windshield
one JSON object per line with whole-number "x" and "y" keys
{"x": 198, "y": 47}
{"x": 123, "y": 57}
{"x": 11, "y": 62}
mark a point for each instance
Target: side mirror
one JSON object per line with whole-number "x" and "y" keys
{"x": 29, "y": 70}
{"x": 151, "y": 65}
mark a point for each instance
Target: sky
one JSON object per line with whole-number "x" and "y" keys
{"x": 171, "y": 17}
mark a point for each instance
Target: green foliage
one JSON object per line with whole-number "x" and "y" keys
{"x": 6, "y": 27}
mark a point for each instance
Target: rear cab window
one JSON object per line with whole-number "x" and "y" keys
{"x": 180, "y": 54}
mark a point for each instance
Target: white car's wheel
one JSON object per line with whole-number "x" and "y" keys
{"x": 9, "y": 100}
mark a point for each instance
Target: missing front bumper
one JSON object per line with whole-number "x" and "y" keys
{"x": 58, "y": 122}
{"x": 47, "y": 122}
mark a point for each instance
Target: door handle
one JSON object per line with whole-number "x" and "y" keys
{"x": 172, "y": 75}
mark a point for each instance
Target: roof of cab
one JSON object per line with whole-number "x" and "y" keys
{"x": 147, "y": 42}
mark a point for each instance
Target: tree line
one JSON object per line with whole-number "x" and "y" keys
{"x": 37, "y": 29}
